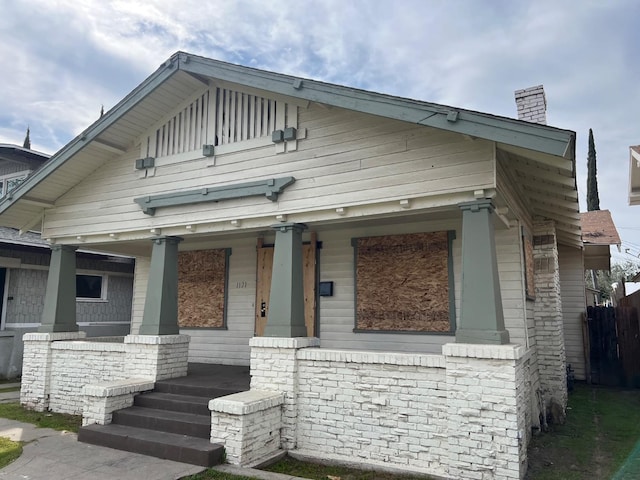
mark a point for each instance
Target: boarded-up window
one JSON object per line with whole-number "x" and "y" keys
{"x": 202, "y": 279}
{"x": 527, "y": 245}
{"x": 404, "y": 283}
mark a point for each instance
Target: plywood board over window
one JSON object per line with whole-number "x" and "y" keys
{"x": 404, "y": 283}
{"x": 202, "y": 284}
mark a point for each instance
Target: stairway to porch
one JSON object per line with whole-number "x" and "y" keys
{"x": 172, "y": 421}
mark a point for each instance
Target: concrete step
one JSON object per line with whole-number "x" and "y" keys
{"x": 165, "y": 421}
{"x": 170, "y": 446}
{"x": 195, "y": 387}
{"x": 173, "y": 402}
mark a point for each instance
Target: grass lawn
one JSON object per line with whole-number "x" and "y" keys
{"x": 9, "y": 451}
{"x": 57, "y": 421}
{"x": 211, "y": 474}
{"x": 602, "y": 428}
{"x": 315, "y": 471}
{"x": 9, "y": 389}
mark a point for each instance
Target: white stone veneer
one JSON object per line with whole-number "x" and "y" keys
{"x": 459, "y": 415}
{"x": 56, "y": 369}
{"x": 248, "y": 424}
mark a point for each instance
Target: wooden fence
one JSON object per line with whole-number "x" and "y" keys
{"x": 614, "y": 340}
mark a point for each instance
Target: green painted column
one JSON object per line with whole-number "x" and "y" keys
{"x": 286, "y": 300}
{"x": 481, "y": 315}
{"x": 160, "y": 316}
{"x": 59, "y": 312}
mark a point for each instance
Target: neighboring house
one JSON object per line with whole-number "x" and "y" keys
{"x": 634, "y": 175}
{"x": 432, "y": 250}
{"x": 598, "y": 234}
{"x": 104, "y": 282}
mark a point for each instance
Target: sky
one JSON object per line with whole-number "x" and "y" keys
{"x": 61, "y": 60}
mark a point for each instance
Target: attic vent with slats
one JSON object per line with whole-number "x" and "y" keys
{"x": 219, "y": 116}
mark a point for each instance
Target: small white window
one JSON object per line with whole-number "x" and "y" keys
{"x": 91, "y": 287}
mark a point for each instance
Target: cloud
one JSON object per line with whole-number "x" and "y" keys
{"x": 62, "y": 60}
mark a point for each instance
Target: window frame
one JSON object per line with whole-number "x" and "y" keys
{"x": 103, "y": 288}
{"x": 22, "y": 175}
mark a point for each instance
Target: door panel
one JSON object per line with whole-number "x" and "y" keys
{"x": 263, "y": 285}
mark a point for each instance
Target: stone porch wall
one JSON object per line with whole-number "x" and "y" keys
{"x": 57, "y": 366}
{"x": 75, "y": 364}
{"x": 465, "y": 414}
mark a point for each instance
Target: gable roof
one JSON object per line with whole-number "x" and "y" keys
{"x": 16, "y": 154}
{"x": 182, "y": 74}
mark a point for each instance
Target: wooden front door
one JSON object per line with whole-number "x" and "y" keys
{"x": 263, "y": 285}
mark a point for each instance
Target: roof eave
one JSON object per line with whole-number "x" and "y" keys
{"x": 152, "y": 82}
{"x": 531, "y": 136}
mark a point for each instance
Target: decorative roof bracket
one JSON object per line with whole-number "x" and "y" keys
{"x": 269, "y": 188}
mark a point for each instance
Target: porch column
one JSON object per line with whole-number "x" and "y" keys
{"x": 59, "y": 312}
{"x": 160, "y": 316}
{"x": 286, "y": 300}
{"x": 481, "y": 315}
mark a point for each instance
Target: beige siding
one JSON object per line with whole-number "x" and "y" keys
{"x": 337, "y": 312}
{"x": 511, "y": 271}
{"x": 346, "y": 159}
{"x": 231, "y": 346}
{"x": 573, "y": 306}
{"x": 140, "y": 280}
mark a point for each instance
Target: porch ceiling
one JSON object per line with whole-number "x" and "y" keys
{"x": 107, "y": 138}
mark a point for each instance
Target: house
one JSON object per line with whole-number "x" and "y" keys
{"x": 392, "y": 270}
{"x": 104, "y": 281}
{"x": 599, "y": 233}
{"x": 634, "y": 175}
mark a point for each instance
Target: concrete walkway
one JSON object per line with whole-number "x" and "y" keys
{"x": 53, "y": 455}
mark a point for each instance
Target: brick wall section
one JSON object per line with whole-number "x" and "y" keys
{"x": 274, "y": 367}
{"x": 56, "y": 371}
{"x": 157, "y": 356}
{"x": 76, "y": 364}
{"x": 248, "y": 424}
{"x": 487, "y": 406}
{"x": 37, "y": 372}
{"x": 375, "y": 408}
{"x": 532, "y": 104}
{"x": 548, "y": 316}
{"x": 459, "y": 415}
{"x": 103, "y": 398}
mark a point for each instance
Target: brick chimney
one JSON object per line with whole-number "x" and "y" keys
{"x": 532, "y": 105}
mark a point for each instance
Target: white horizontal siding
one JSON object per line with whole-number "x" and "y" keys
{"x": 511, "y": 272}
{"x": 336, "y": 313}
{"x": 231, "y": 346}
{"x": 140, "y": 281}
{"x": 346, "y": 159}
{"x": 573, "y": 306}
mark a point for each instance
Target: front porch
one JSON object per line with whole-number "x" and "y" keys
{"x": 172, "y": 421}
{"x": 451, "y": 403}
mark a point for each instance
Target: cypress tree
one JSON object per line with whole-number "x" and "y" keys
{"x": 593, "y": 201}
{"x": 27, "y": 141}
